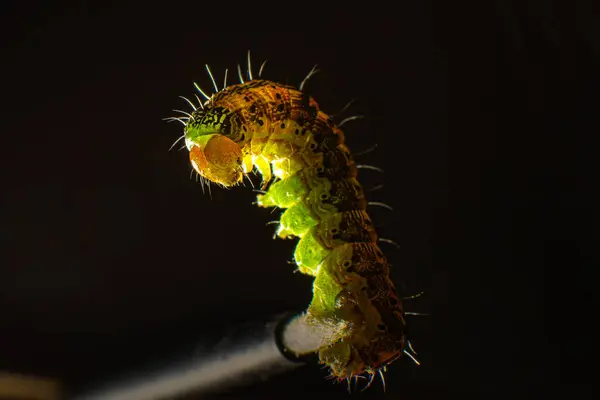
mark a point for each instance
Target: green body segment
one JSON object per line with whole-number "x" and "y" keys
{"x": 281, "y": 132}
{"x": 296, "y": 221}
{"x": 309, "y": 254}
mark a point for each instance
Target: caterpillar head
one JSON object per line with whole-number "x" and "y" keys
{"x": 214, "y": 156}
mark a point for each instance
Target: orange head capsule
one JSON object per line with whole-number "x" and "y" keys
{"x": 217, "y": 158}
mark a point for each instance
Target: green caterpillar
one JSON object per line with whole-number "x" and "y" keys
{"x": 309, "y": 172}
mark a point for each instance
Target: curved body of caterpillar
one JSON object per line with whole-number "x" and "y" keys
{"x": 308, "y": 171}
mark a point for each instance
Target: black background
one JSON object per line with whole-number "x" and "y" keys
{"x": 112, "y": 257}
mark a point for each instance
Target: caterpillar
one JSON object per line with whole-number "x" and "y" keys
{"x": 308, "y": 171}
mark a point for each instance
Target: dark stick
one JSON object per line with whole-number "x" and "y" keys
{"x": 274, "y": 347}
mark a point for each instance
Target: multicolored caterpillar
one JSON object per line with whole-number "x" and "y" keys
{"x": 309, "y": 172}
